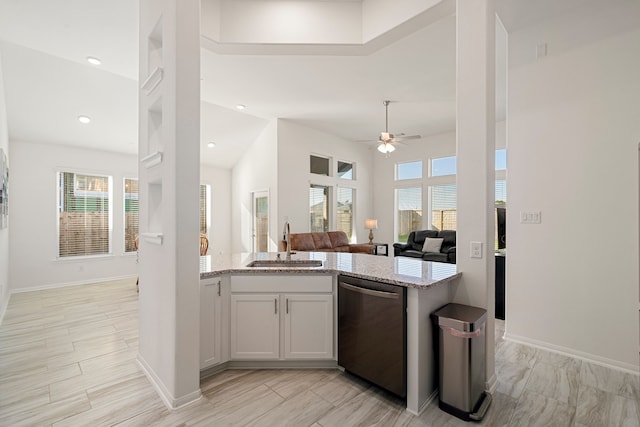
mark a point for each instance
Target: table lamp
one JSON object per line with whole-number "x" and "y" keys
{"x": 370, "y": 224}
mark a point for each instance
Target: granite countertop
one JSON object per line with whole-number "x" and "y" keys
{"x": 402, "y": 271}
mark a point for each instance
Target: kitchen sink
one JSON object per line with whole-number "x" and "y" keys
{"x": 283, "y": 263}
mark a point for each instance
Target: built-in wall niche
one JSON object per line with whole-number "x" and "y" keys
{"x": 154, "y": 212}
{"x": 155, "y": 47}
{"x": 154, "y": 127}
{"x": 154, "y": 60}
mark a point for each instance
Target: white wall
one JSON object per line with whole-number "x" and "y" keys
{"x": 33, "y": 225}
{"x": 295, "y": 144}
{"x": 572, "y": 281}
{"x": 255, "y": 171}
{"x": 4, "y": 232}
{"x": 219, "y": 232}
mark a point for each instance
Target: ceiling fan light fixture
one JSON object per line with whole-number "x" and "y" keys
{"x": 386, "y": 148}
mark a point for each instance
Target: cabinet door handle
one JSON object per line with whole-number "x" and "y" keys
{"x": 219, "y": 287}
{"x": 275, "y": 306}
{"x": 287, "y": 300}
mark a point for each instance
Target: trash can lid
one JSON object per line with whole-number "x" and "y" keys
{"x": 461, "y": 317}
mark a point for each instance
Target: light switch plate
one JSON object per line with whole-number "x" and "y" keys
{"x": 476, "y": 249}
{"x": 533, "y": 217}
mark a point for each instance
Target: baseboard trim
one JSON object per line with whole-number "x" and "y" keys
{"x": 65, "y": 284}
{"x": 492, "y": 384}
{"x": 167, "y": 398}
{"x": 433, "y": 396}
{"x": 587, "y": 357}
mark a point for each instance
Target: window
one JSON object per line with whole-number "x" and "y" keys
{"x": 501, "y": 159}
{"x": 500, "y": 214}
{"x": 444, "y": 215}
{"x": 409, "y": 213}
{"x": 131, "y": 214}
{"x": 443, "y": 166}
{"x": 84, "y": 214}
{"x": 318, "y": 208}
{"x": 319, "y": 165}
{"x": 205, "y": 191}
{"x": 345, "y": 170}
{"x": 409, "y": 170}
{"x": 345, "y": 210}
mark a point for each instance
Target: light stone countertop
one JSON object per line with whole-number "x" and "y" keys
{"x": 401, "y": 271}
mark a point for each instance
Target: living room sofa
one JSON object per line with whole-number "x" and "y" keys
{"x": 415, "y": 246}
{"x": 330, "y": 241}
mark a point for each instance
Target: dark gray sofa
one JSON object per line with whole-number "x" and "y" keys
{"x": 415, "y": 242}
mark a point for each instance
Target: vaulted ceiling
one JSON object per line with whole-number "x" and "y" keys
{"x": 336, "y": 88}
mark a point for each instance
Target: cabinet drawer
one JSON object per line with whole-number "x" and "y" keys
{"x": 291, "y": 283}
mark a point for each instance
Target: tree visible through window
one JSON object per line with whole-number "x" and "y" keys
{"x": 84, "y": 214}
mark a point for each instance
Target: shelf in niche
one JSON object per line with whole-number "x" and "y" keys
{"x": 152, "y": 159}
{"x": 155, "y": 238}
{"x": 153, "y": 80}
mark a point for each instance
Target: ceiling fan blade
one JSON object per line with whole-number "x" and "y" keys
{"x": 402, "y": 137}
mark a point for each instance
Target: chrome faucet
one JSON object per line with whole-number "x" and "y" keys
{"x": 286, "y": 236}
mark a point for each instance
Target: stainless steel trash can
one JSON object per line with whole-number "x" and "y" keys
{"x": 461, "y": 361}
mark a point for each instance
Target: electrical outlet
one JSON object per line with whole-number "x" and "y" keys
{"x": 476, "y": 249}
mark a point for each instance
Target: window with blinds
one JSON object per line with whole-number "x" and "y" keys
{"x": 344, "y": 210}
{"x": 409, "y": 211}
{"x": 84, "y": 214}
{"x": 131, "y": 214}
{"x": 318, "y": 208}
{"x": 444, "y": 215}
{"x": 204, "y": 208}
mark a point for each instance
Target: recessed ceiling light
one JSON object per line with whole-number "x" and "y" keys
{"x": 211, "y": 145}
{"x": 93, "y": 61}
{"x": 241, "y": 106}
{"x": 84, "y": 119}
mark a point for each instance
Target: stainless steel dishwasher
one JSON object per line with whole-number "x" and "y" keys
{"x": 372, "y": 339}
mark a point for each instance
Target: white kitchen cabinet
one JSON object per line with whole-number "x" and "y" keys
{"x": 308, "y": 326}
{"x": 255, "y": 326}
{"x": 270, "y": 322}
{"x": 213, "y": 321}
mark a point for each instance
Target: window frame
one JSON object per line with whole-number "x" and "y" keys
{"x": 396, "y": 170}
{"x": 328, "y": 205}
{"x": 59, "y": 206}
{"x": 352, "y": 234}
{"x": 396, "y": 210}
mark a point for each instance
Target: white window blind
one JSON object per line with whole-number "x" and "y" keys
{"x": 318, "y": 208}
{"x": 501, "y": 192}
{"x": 444, "y": 215}
{"x": 409, "y": 213}
{"x": 84, "y": 214}
{"x": 131, "y": 214}
{"x": 345, "y": 210}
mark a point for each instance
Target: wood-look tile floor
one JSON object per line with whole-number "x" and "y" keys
{"x": 67, "y": 358}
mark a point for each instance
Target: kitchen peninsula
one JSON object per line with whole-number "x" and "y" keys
{"x": 287, "y": 316}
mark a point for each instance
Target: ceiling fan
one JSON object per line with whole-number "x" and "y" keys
{"x": 386, "y": 139}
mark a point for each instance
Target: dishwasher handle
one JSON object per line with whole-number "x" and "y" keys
{"x": 372, "y": 292}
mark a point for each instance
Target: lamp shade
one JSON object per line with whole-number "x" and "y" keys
{"x": 386, "y": 147}
{"x": 371, "y": 224}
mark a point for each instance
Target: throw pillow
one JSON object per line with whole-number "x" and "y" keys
{"x": 432, "y": 244}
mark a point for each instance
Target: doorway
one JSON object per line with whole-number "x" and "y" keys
{"x": 260, "y": 221}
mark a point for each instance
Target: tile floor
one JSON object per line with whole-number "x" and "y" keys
{"x": 67, "y": 358}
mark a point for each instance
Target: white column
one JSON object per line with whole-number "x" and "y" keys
{"x": 169, "y": 139}
{"x": 475, "y": 135}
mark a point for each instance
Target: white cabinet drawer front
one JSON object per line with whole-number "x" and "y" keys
{"x": 282, "y": 283}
